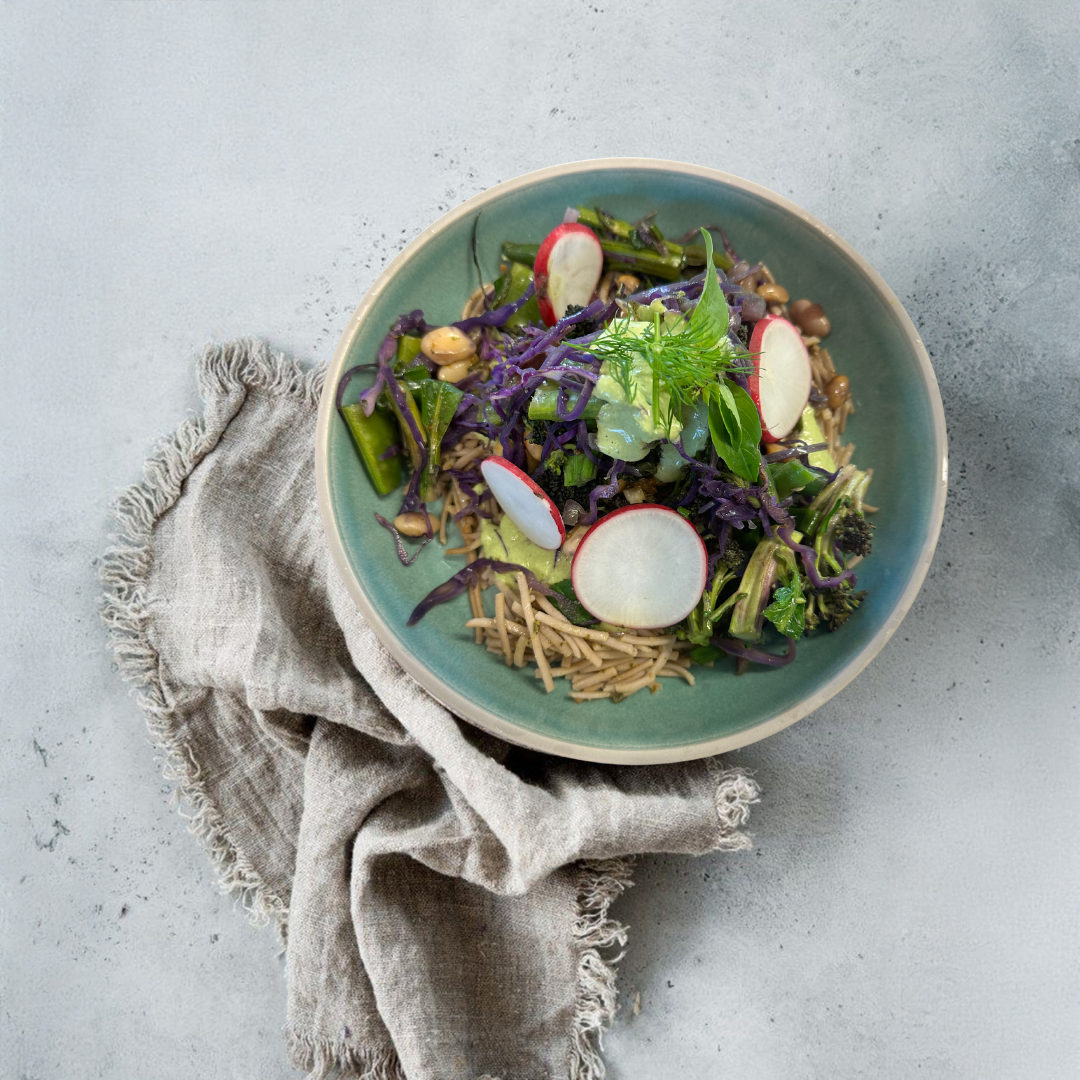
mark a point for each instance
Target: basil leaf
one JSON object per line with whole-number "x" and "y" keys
{"x": 709, "y": 321}
{"x": 732, "y": 420}
{"x": 705, "y": 654}
{"x": 567, "y": 602}
{"x": 736, "y": 437}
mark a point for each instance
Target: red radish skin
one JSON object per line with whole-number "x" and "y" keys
{"x": 567, "y": 270}
{"x": 780, "y": 385}
{"x": 641, "y": 566}
{"x": 524, "y": 502}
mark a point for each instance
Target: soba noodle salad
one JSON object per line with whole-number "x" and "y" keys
{"x": 634, "y": 444}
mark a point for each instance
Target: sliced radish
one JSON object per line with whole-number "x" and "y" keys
{"x": 780, "y": 385}
{"x": 524, "y": 502}
{"x": 641, "y": 566}
{"x": 567, "y": 270}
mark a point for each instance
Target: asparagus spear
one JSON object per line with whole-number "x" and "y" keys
{"x": 623, "y": 255}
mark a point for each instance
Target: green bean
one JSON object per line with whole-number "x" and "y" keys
{"x": 373, "y": 436}
{"x": 408, "y": 349}
{"x": 543, "y": 403}
{"x": 510, "y": 287}
{"x": 789, "y": 476}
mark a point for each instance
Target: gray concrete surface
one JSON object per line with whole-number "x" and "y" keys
{"x": 176, "y": 173}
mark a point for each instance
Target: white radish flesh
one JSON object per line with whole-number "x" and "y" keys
{"x": 524, "y": 502}
{"x": 641, "y": 566}
{"x": 567, "y": 270}
{"x": 780, "y": 386}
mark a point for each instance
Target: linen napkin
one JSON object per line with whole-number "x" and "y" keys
{"x": 443, "y": 896}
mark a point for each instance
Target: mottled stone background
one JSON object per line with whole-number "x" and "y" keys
{"x": 174, "y": 173}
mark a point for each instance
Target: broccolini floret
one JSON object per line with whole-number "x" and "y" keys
{"x": 701, "y": 622}
{"x": 833, "y": 607}
{"x": 855, "y": 534}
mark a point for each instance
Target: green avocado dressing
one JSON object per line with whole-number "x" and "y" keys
{"x": 625, "y": 427}
{"x": 507, "y": 543}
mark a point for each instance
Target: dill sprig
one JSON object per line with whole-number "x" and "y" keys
{"x": 687, "y": 361}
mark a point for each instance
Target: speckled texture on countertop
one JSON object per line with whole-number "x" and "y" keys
{"x": 178, "y": 173}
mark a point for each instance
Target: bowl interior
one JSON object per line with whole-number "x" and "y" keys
{"x": 897, "y": 428}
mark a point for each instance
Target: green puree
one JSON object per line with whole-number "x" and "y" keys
{"x": 521, "y": 550}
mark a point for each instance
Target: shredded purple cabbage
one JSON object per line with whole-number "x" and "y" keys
{"x": 470, "y": 575}
{"x": 809, "y": 559}
{"x": 734, "y": 647}
{"x": 796, "y": 450}
{"x": 345, "y": 379}
{"x": 500, "y": 316}
{"x": 604, "y": 491}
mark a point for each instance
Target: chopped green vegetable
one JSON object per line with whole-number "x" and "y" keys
{"x": 809, "y": 430}
{"x": 578, "y": 470}
{"x": 408, "y": 349}
{"x": 793, "y": 475}
{"x": 787, "y": 612}
{"x": 511, "y": 286}
{"x": 691, "y": 255}
{"x": 701, "y": 622}
{"x": 642, "y": 260}
{"x": 373, "y": 436}
{"x": 543, "y": 403}
{"x": 415, "y": 378}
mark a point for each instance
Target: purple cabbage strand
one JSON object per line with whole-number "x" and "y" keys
{"x": 470, "y": 575}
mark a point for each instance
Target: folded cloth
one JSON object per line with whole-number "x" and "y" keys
{"x": 443, "y": 897}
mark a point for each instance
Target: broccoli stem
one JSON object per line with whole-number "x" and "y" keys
{"x": 850, "y": 483}
{"x": 703, "y": 619}
{"x": 770, "y": 562}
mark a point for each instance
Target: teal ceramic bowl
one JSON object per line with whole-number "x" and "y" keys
{"x": 899, "y": 430}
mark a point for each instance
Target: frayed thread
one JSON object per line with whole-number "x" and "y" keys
{"x": 736, "y": 792}
{"x": 600, "y": 883}
{"x": 338, "y": 1059}
{"x": 226, "y": 373}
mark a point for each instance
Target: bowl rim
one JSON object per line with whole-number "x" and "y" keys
{"x": 462, "y": 706}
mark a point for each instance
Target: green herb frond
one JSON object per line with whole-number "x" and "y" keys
{"x": 687, "y": 361}
{"x": 685, "y": 364}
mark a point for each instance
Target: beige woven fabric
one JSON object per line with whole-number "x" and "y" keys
{"x": 444, "y": 897}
